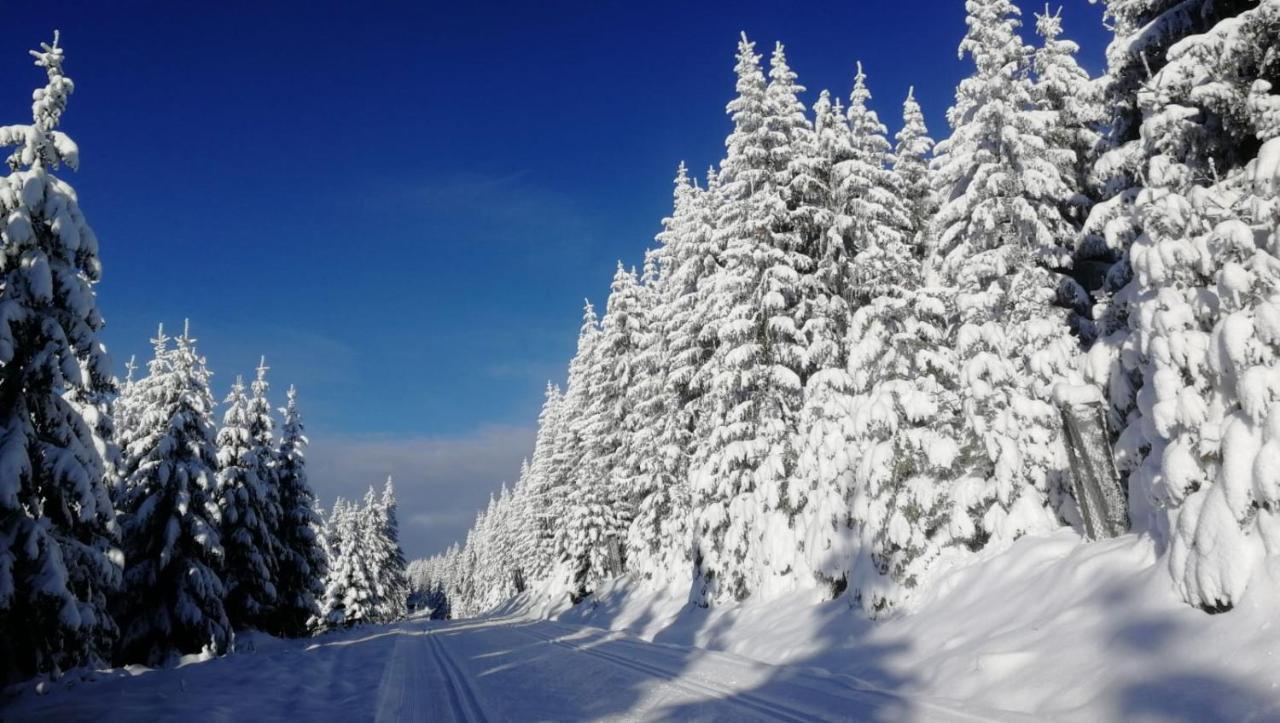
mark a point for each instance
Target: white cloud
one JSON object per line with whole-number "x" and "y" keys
{"x": 441, "y": 481}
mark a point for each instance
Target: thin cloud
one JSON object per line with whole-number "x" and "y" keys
{"x": 441, "y": 481}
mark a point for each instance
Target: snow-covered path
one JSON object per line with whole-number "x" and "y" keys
{"x": 494, "y": 669}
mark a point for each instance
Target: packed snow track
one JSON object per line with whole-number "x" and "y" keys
{"x": 480, "y": 670}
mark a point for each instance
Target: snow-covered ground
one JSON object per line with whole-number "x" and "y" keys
{"x": 1054, "y": 628}
{"x": 1051, "y": 629}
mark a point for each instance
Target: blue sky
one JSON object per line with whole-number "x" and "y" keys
{"x": 403, "y": 204}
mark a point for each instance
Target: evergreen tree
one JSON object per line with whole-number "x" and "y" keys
{"x": 302, "y": 560}
{"x": 383, "y": 534}
{"x": 744, "y": 453}
{"x": 570, "y": 445}
{"x": 58, "y": 556}
{"x": 172, "y": 599}
{"x": 657, "y": 540}
{"x": 248, "y": 513}
{"x": 600, "y": 513}
{"x": 1001, "y": 237}
{"x": 541, "y": 495}
{"x": 350, "y": 587}
{"x": 864, "y": 255}
{"x": 911, "y": 156}
{"x": 1191, "y": 336}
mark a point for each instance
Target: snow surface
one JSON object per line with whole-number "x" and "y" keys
{"x": 1052, "y": 628}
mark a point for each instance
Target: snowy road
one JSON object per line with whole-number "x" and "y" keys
{"x": 485, "y": 670}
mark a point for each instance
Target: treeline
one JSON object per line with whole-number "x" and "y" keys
{"x": 847, "y": 358}
{"x": 132, "y": 528}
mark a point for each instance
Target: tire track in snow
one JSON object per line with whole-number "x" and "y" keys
{"x": 844, "y": 681}
{"x": 399, "y": 695}
{"x": 754, "y": 703}
{"x": 462, "y": 700}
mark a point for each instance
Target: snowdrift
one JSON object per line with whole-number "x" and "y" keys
{"x": 1053, "y": 627}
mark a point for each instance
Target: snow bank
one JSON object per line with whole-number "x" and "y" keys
{"x": 1052, "y": 627}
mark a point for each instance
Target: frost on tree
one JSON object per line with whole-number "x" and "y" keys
{"x": 1190, "y": 357}
{"x": 745, "y": 452}
{"x": 58, "y": 555}
{"x": 249, "y": 514}
{"x": 302, "y": 563}
{"x": 172, "y": 599}
{"x": 1003, "y": 239}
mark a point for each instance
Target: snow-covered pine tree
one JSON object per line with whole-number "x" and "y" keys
{"x": 58, "y": 555}
{"x": 542, "y": 496}
{"x": 657, "y": 540}
{"x": 569, "y": 445}
{"x": 911, "y": 156}
{"x": 301, "y": 562}
{"x": 1064, "y": 91}
{"x": 863, "y": 255}
{"x": 1144, "y": 30}
{"x": 349, "y": 588}
{"x": 1002, "y": 237}
{"x": 248, "y": 512}
{"x": 1195, "y": 331}
{"x": 601, "y": 511}
{"x": 522, "y": 532}
{"x": 385, "y": 532}
{"x": 744, "y": 454}
{"x": 172, "y": 599}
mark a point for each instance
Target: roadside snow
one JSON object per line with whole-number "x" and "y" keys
{"x": 1052, "y": 627}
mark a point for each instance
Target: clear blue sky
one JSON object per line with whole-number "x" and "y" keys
{"x": 403, "y": 204}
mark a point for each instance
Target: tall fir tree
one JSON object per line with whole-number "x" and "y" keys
{"x": 912, "y": 153}
{"x": 657, "y": 539}
{"x": 247, "y": 515}
{"x": 744, "y": 454}
{"x": 349, "y": 587}
{"x": 1002, "y": 238}
{"x": 302, "y": 561}
{"x": 384, "y": 535}
{"x": 601, "y": 510}
{"x": 1190, "y": 334}
{"x": 58, "y": 535}
{"x": 172, "y": 599}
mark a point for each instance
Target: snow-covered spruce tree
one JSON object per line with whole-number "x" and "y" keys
{"x": 859, "y": 257}
{"x": 1064, "y": 91}
{"x": 521, "y": 533}
{"x": 1145, "y": 31}
{"x": 541, "y": 496}
{"x": 172, "y": 599}
{"x": 349, "y": 587}
{"x": 248, "y": 512}
{"x": 58, "y": 556}
{"x": 744, "y": 454}
{"x": 569, "y": 446}
{"x": 301, "y": 561}
{"x": 657, "y": 540}
{"x": 600, "y": 512}
{"x": 384, "y": 537}
{"x": 1002, "y": 236}
{"x": 911, "y": 156}
{"x": 827, "y": 291}
{"x": 1196, "y": 337}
